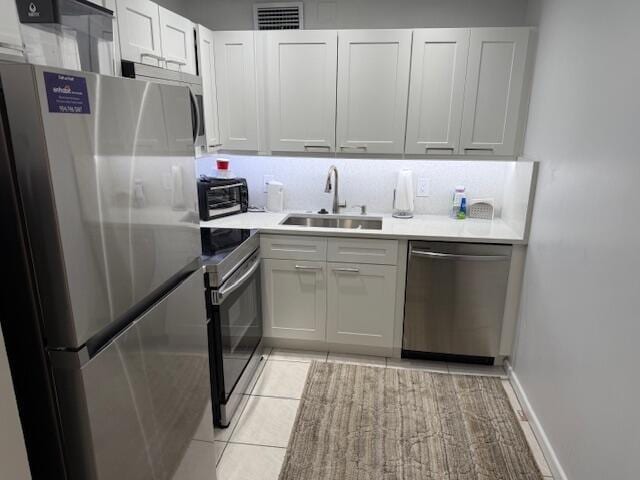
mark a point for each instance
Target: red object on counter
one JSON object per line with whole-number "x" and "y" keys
{"x": 222, "y": 164}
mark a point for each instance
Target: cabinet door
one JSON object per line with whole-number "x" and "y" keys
{"x": 178, "y": 42}
{"x": 236, "y": 83}
{"x": 139, "y": 29}
{"x": 436, "y": 92}
{"x": 206, "y": 60}
{"x": 10, "y": 38}
{"x": 373, "y": 82}
{"x": 302, "y": 90}
{"x": 493, "y": 93}
{"x": 361, "y": 306}
{"x": 295, "y": 299}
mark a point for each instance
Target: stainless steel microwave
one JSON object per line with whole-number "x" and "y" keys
{"x": 173, "y": 77}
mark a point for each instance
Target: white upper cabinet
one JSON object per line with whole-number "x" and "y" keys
{"x": 493, "y": 96}
{"x": 373, "y": 82}
{"x": 236, "y": 83}
{"x": 206, "y": 60}
{"x": 10, "y": 38}
{"x": 139, "y": 31}
{"x": 156, "y": 36}
{"x": 178, "y": 42}
{"x": 438, "y": 69}
{"x": 301, "y": 90}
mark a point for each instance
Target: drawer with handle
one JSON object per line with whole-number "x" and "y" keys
{"x": 363, "y": 250}
{"x": 293, "y": 247}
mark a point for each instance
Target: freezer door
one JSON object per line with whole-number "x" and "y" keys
{"x": 141, "y": 409}
{"x": 107, "y": 174}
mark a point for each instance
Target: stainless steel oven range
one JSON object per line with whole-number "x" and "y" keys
{"x": 232, "y": 265}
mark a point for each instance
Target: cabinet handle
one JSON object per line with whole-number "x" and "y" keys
{"x": 347, "y": 270}
{"x": 152, "y": 55}
{"x": 449, "y": 149}
{"x": 354, "y": 147}
{"x": 307, "y": 267}
{"x": 478, "y": 149}
{"x": 215, "y": 145}
{"x": 323, "y": 147}
{"x": 179, "y": 63}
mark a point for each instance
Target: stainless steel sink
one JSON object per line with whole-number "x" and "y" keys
{"x": 334, "y": 221}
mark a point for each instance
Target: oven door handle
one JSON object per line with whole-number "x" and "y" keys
{"x": 223, "y": 292}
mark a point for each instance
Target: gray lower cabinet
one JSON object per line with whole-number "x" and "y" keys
{"x": 294, "y": 299}
{"x": 309, "y": 298}
{"x": 361, "y": 304}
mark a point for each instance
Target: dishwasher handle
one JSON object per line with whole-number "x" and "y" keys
{"x": 462, "y": 258}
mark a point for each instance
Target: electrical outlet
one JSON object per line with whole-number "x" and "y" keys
{"x": 266, "y": 179}
{"x": 424, "y": 187}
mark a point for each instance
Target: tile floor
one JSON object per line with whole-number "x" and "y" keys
{"x": 260, "y": 431}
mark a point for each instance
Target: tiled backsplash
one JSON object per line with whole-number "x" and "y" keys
{"x": 366, "y": 181}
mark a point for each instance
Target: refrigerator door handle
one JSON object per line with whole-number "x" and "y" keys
{"x": 69, "y": 359}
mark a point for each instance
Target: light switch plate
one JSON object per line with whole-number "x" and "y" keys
{"x": 424, "y": 187}
{"x": 266, "y": 179}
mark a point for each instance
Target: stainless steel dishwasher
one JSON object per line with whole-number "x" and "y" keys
{"x": 455, "y": 299}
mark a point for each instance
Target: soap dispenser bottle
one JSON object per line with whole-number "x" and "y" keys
{"x": 458, "y": 195}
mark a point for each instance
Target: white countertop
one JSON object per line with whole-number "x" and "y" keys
{"x": 420, "y": 227}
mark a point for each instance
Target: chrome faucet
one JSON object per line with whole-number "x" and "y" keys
{"x": 336, "y": 203}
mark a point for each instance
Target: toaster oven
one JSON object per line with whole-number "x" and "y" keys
{"x": 219, "y": 197}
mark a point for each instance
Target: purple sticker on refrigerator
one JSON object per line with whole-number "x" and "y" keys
{"x": 66, "y": 93}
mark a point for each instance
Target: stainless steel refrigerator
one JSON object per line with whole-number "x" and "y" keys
{"x": 103, "y": 308}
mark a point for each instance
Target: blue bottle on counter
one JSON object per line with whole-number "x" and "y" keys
{"x": 462, "y": 211}
{"x": 458, "y": 195}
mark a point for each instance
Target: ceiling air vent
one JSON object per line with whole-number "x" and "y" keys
{"x": 278, "y": 16}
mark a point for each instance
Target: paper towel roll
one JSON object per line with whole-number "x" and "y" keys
{"x": 275, "y": 196}
{"x": 404, "y": 192}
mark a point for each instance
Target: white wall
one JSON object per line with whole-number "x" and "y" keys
{"x": 367, "y": 181}
{"x": 577, "y": 351}
{"x": 238, "y": 14}
{"x": 13, "y": 455}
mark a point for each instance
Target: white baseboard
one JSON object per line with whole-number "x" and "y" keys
{"x": 536, "y": 426}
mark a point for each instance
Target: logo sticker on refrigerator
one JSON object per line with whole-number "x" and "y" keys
{"x": 66, "y": 93}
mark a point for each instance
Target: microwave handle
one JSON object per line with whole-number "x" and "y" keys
{"x": 196, "y": 110}
{"x": 223, "y": 292}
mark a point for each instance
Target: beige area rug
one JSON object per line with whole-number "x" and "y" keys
{"x": 368, "y": 423}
